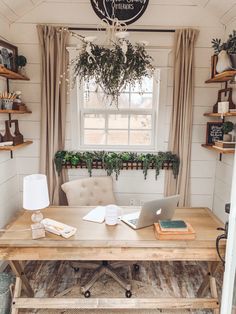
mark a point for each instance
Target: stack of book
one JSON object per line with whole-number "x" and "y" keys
{"x": 174, "y": 230}
{"x": 224, "y": 145}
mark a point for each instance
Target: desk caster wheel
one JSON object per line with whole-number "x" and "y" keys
{"x": 87, "y": 294}
{"x": 128, "y": 294}
{"x": 136, "y": 267}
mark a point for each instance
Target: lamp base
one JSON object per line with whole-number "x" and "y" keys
{"x": 37, "y": 216}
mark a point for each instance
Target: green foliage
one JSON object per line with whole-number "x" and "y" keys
{"x": 21, "y": 61}
{"x": 113, "y": 161}
{"x": 217, "y": 45}
{"x": 111, "y": 69}
{"x": 229, "y": 45}
{"x": 227, "y": 127}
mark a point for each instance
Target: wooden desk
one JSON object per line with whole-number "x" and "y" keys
{"x": 100, "y": 242}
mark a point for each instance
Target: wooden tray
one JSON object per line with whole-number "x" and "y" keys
{"x": 174, "y": 235}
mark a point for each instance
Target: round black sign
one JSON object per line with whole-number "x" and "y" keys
{"x": 126, "y": 11}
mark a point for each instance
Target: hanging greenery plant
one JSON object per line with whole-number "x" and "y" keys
{"x": 114, "y": 162}
{"x": 112, "y": 68}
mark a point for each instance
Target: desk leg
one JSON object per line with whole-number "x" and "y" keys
{"x": 19, "y": 272}
{"x": 212, "y": 268}
{"x": 209, "y": 282}
{"x": 16, "y": 294}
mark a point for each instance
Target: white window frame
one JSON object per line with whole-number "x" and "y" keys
{"x": 159, "y": 118}
{"x": 77, "y": 120}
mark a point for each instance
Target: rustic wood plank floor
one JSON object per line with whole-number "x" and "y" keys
{"x": 158, "y": 279}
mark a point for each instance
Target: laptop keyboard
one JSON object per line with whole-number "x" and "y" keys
{"x": 133, "y": 221}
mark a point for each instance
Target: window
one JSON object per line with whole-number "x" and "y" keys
{"x": 130, "y": 126}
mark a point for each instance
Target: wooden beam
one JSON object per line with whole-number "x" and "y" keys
{"x": 115, "y": 303}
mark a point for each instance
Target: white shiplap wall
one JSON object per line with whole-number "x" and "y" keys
{"x": 203, "y": 161}
{"x": 9, "y": 188}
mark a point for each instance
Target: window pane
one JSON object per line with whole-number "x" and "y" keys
{"x": 140, "y": 138}
{"x": 123, "y": 101}
{"x": 94, "y": 121}
{"x": 94, "y": 137}
{"x": 91, "y": 86}
{"x": 94, "y": 100}
{"x": 140, "y": 122}
{"x": 141, "y": 101}
{"x": 145, "y": 87}
{"x": 118, "y": 121}
{"x": 117, "y": 138}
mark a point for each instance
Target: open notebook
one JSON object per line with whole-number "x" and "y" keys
{"x": 96, "y": 215}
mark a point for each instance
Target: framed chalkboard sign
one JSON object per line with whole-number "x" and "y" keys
{"x": 126, "y": 11}
{"x": 214, "y": 132}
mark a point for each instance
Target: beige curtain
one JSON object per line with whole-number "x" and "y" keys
{"x": 54, "y": 57}
{"x": 180, "y": 138}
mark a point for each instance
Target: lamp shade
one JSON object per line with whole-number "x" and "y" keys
{"x": 35, "y": 192}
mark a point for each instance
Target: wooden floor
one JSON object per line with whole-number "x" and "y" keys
{"x": 158, "y": 279}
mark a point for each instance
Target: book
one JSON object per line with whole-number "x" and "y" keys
{"x": 173, "y": 225}
{"x": 223, "y": 144}
{"x": 174, "y": 235}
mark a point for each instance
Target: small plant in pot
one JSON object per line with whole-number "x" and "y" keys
{"x": 231, "y": 48}
{"x": 221, "y": 49}
{"x": 227, "y": 127}
{"x": 21, "y": 62}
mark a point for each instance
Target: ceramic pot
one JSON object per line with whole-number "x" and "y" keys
{"x": 227, "y": 138}
{"x": 223, "y": 62}
{"x": 233, "y": 60}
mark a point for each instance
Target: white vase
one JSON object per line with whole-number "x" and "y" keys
{"x": 223, "y": 62}
{"x": 227, "y": 137}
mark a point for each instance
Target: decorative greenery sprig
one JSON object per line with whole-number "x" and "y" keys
{"x": 112, "y": 68}
{"x": 229, "y": 45}
{"x": 113, "y": 161}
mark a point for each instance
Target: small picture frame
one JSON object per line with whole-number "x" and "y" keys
{"x": 214, "y": 132}
{"x": 8, "y": 55}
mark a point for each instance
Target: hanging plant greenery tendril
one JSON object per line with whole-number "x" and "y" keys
{"x": 112, "y": 69}
{"x": 113, "y": 162}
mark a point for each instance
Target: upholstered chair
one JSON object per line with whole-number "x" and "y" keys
{"x": 95, "y": 191}
{"x": 90, "y": 191}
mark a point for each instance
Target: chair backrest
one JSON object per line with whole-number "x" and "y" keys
{"x": 89, "y": 191}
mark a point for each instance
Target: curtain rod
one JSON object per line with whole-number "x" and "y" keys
{"x": 151, "y": 30}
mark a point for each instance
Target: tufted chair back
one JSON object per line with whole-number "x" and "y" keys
{"x": 89, "y": 191}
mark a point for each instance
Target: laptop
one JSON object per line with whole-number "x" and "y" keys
{"x": 151, "y": 212}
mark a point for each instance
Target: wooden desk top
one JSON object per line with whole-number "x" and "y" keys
{"x": 94, "y": 235}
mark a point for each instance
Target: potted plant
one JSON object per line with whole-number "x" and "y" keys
{"x": 226, "y": 52}
{"x": 231, "y": 48}
{"x": 112, "y": 68}
{"x": 21, "y": 62}
{"x": 227, "y": 127}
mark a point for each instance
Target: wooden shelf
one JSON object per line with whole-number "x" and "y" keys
{"x": 12, "y": 75}
{"x": 12, "y": 148}
{"x": 216, "y": 114}
{"x": 219, "y": 150}
{"x": 222, "y": 77}
{"x": 14, "y": 111}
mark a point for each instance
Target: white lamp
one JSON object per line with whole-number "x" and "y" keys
{"x": 35, "y": 195}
